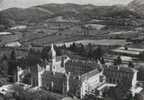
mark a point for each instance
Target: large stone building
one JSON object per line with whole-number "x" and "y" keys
{"x": 123, "y": 74}
{"x": 70, "y": 77}
{"x": 118, "y": 73}
{"x": 78, "y": 77}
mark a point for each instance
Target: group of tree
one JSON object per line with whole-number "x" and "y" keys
{"x": 4, "y": 22}
{"x": 121, "y": 91}
{"x": 89, "y": 51}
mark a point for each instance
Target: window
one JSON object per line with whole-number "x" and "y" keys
{"x": 110, "y": 80}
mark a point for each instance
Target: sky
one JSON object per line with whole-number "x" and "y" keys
{"x": 4, "y": 4}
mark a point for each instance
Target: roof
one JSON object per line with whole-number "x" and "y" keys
{"x": 126, "y": 58}
{"x": 120, "y": 68}
{"x": 132, "y": 51}
{"x": 5, "y": 33}
{"x": 89, "y": 74}
{"x": 121, "y": 32}
{"x": 56, "y": 74}
{"x": 126, "y": 52}
{"x": 106, "y": 85}
{"x": 95, "y": 26}
{"x": 19, "y": 27}
{"x": 67, "y": 98}
{"x": 10, "y": 88}
{"x": 13, "y": 44}
{"x": 80, "y": 66}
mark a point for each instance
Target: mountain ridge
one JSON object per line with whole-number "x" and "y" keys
{"x": 137, "y": 6}
{"x": 77, "y": 11}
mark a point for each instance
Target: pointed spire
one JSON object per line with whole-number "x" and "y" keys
{"x": 53, "y": 51}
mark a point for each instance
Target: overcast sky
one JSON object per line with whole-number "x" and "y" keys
{"x": 27, "y": 3}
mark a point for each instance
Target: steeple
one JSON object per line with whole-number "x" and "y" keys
{"x": 53, "y": 58}
{"x": 53, "y": 52}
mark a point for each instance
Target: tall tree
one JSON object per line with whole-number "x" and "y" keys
{"x": 90, "y": 51}
{"x": 13, "y": 55}
{"x": 98, "y": 53}
{"x": 117, "y": 61}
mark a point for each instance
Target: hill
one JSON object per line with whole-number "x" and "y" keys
{"x": 137, "y": 6}
{"x": 68, "y": 10}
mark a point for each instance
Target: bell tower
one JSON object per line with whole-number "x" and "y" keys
{"x": 53, "y": 52}
{"x": 53, "y": 55}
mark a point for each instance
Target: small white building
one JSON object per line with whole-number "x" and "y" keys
{"x": 5, "y": 33}
{"x": 18, "y": 27}
{"x": 13, "y": 44}
{"x": 126, "y": 51}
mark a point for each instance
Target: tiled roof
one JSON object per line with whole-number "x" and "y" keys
{"x": 122, "y": 68}
{"x": 81, "y": 66}
{"x": 89, "y": 74}
{"x": 132, "y": 51}
{"x": 56, "y": 74}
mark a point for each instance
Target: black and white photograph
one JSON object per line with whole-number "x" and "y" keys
{"x": 71, "y": 49}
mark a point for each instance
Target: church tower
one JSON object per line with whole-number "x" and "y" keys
{"x": 53, "y": 52}
{"x": 53, "y": 58}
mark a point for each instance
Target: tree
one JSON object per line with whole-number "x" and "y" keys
{"x": 73, "y": 47}
{"x": 58, "y": 50}
{"x": 131, "y": 65}
{"x": 63, "y": 46}
{"x": 98, "y": 53}
{"x": 12, "y": 66}
{"x": 13, "y": 55}
{"x": 121, "y": 91}
{"x": 44, "y": 53}
{"x": 4, "y": 57}
{"x": 81, "y": 50}
{"x": 90, "y": 51}
{"x": 33, "y": 60}
{"x": 117, "y": 61}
